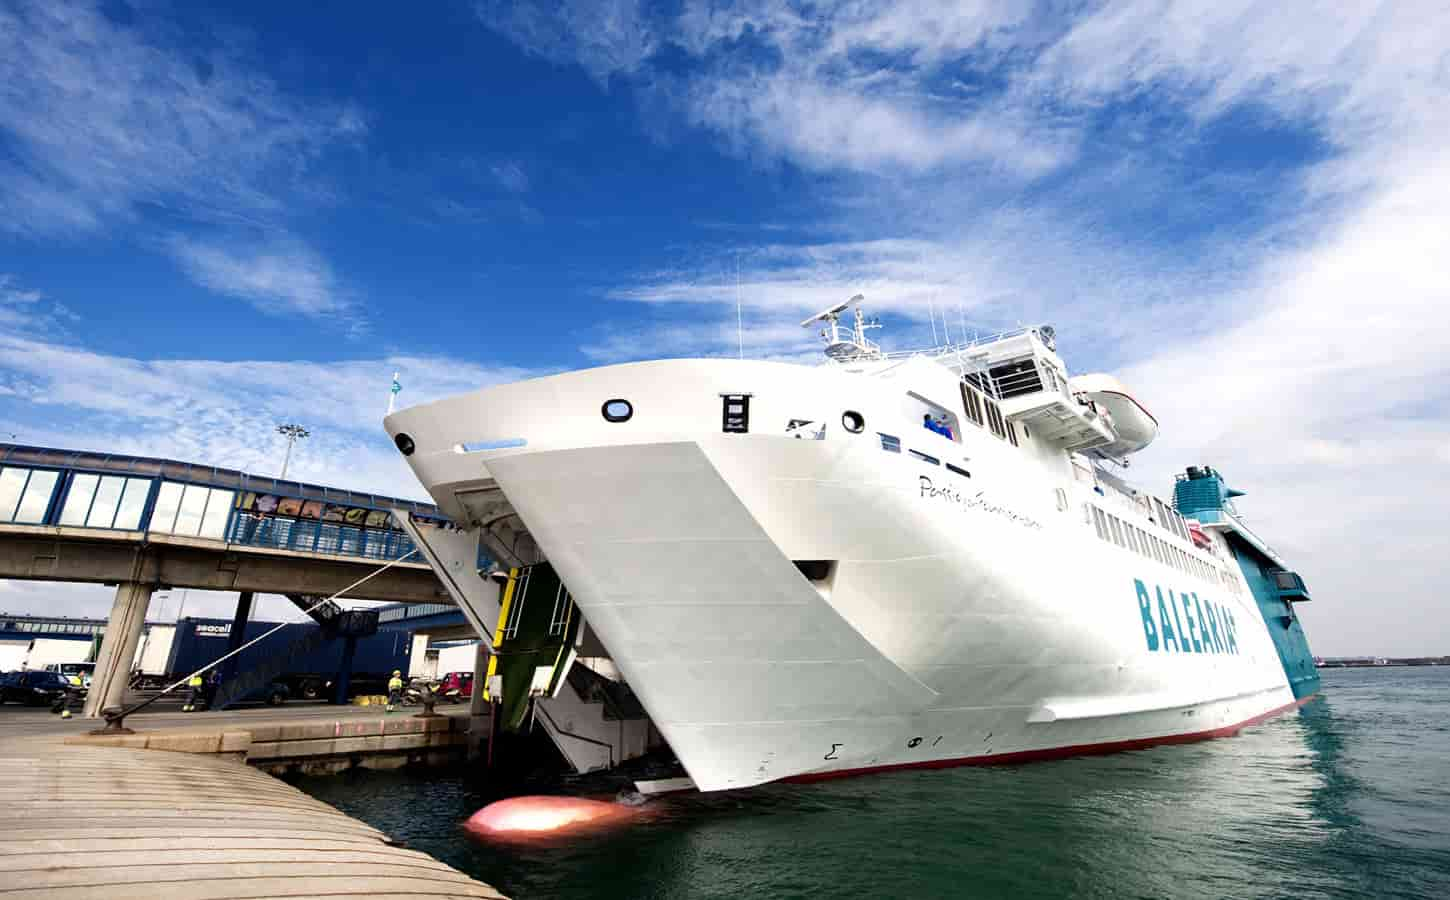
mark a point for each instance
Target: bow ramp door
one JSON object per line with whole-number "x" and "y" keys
{"x": 533, "y": 643}
{"x": 546, "y": 658}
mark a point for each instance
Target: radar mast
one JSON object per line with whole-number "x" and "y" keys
{"x": 847, "y": 342}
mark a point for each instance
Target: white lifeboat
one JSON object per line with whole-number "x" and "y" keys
{"x": 1134, "y": 425}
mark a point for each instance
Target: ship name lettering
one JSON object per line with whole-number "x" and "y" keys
{"x": 973, "y": 501}
{"x": 1209, "y": 628}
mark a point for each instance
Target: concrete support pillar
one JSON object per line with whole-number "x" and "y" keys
{"x": 344, "y": 671}
{"x": 238, "y": 634}
{"x": 479, "y": 713}
{"x": 118, "y": 647}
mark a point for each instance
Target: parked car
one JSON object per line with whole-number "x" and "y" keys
{"x": 33, "y": 688}
{"x": 457, "y": 686}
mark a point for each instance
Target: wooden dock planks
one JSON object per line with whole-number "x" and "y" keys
{"x": 116, "y": 822}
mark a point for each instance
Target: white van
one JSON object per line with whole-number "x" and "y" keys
{"x": 77, "y": 673}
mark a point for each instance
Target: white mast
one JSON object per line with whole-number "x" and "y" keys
{"x": 739, "y": 327}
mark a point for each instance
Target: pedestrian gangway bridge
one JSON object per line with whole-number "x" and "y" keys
{"x": 144, "y": 524}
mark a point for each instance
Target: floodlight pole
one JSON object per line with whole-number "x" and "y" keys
{"x": 293, "y": 433}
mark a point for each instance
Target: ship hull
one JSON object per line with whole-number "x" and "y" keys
{"x": 792, "y": 607}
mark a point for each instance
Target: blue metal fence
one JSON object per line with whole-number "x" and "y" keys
{"x": 308, "y": 536}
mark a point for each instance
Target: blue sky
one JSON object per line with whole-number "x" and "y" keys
{"x": 214, "y": 217}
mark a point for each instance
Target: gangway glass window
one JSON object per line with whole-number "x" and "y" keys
{"x": 78, "y": 499}
{"x": 12, "y": 485}
{"x": 103, "y": 505}
{"x": 193, "y": 507}
{"x": 133, "y": 504}
{"x": 192, "y": 510}
{"x": 218, "y": 507}
{"x": 168, "y": 500}
{"x": 25, "y": 494}
{"x": 105, "y": 501}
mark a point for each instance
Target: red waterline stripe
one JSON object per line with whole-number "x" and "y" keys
{"x": 1021, "y": 756}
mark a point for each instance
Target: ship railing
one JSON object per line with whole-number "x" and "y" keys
{"x": 1017, "y": 384}
{"x": 1238, "y": 522}
{"x": 949, "y": 348}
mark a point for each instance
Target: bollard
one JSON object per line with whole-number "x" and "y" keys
{"x": 115, "y": 722}
{"x": 430, "y": 700}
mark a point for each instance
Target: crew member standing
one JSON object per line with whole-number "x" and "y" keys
{"x": 395, "y": 689}
{"x": 198, "y": 691}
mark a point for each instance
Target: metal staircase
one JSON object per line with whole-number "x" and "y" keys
{"x": 596, "y": 723}
{"x": 325, "y": 615}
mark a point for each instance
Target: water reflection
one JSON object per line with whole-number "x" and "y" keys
{"x": 1345, "y": 797}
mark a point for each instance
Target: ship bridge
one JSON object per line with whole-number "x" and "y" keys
{"x": 1022, "y": 372}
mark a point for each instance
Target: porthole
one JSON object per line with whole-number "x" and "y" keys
{"x": 853, "y": 421}
{"x": 617, "y": 410}
{"x": 405, "y": 443}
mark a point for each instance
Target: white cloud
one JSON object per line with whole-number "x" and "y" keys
{"x": 224, "y": 413}
{"x": 603, "y": 36}
{"x": 281, "y": 277}
{"x": 101, "y": 119}
{"x": 28, "y": 311}
{"x": 802, "y": 93}
{"x": 824, "y": 125}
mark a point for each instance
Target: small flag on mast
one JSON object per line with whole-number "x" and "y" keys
{"x": 393, "y": 393}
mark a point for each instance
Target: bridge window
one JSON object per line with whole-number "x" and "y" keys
{"x": 103, "y": 506}
{"x": 995, "y": 420}
{"x": 192, "y": 510}
{"x": 109, "y": 501}
{"x": 78, "y": 499}
{"x": 25, "y": 494}
{"x": 193, "y": 507}
{"x": 972, "y": 403}
{"x": 133, "y": 504}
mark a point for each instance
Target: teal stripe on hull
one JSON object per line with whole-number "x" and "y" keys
{"x": 1283, "y": 624}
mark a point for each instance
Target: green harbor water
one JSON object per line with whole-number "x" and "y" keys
{"x": 1347, "y": 797}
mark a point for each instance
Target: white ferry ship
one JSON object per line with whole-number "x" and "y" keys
{"x": 889, "y": 560}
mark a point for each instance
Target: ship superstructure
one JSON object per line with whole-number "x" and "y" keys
{"x": 890, "y": 560}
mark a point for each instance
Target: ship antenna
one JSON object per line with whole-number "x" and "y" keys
{"x": 739, "y": 321}
{"x": 931, "y": 314}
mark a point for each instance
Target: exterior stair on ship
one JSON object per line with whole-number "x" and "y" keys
{"x": 595, "y": 722}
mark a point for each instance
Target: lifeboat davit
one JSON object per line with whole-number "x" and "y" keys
{"x": 1134, "y": 425}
